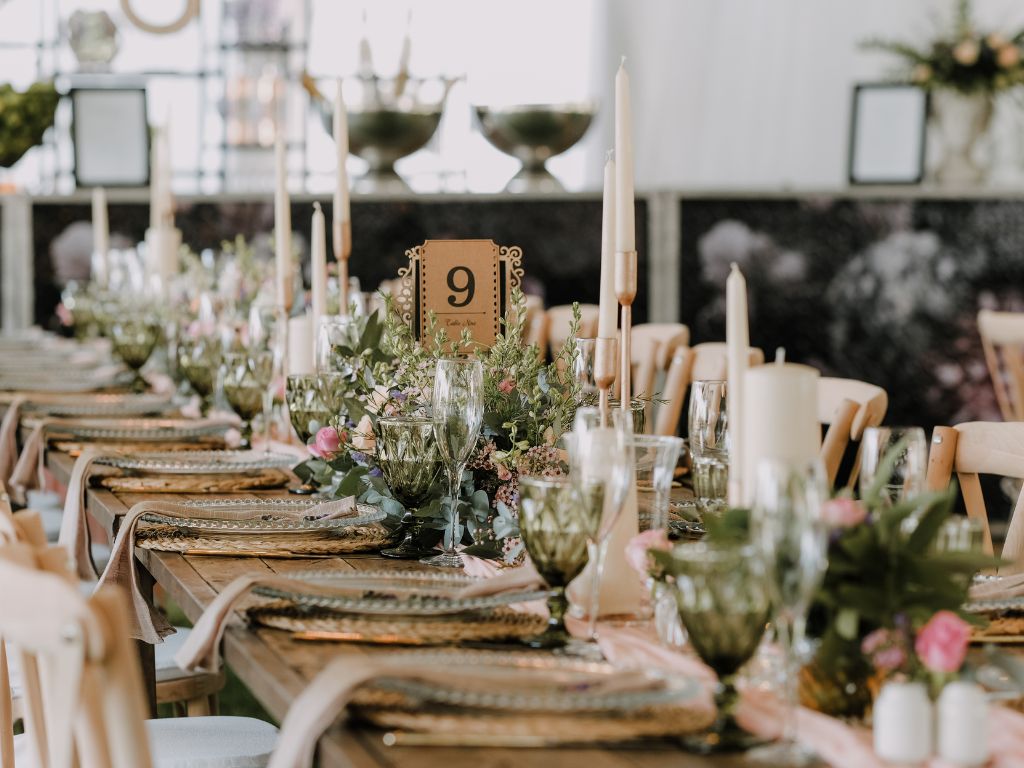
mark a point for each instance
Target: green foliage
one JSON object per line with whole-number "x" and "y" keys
{"x": 24, "y": 118}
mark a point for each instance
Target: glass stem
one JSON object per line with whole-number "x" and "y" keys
{"x": 785, "y": 629}
{"x": 597, "y": 551}
{"x": 268, "y": 407}
{"x": 454, "y": 484}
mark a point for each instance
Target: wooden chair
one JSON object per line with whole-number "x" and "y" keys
{"x": 701, "y": 362}
{"x": 1002, "y": 338}
{"x": 559, "y": 320}
{"x": 653, "y": 347}
{"x": 847, "y": 407}
{"x": 82, "y": 684}
{"x": 982, "y": 448}
{"x": 537, "y": 322}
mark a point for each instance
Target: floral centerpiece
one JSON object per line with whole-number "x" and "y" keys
{"x": 890, "y": 602}
{"x": 528, "y": 404}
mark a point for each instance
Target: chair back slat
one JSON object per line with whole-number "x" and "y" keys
{"x": 1002, "y": 339}
{"x": 837, "y": 438}
{"x": 559, "y": 321}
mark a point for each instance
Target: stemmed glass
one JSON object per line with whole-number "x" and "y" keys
{"x": 458, "y": 409}
{"x": 558, "y": 520}
{"x": 906, "y": 477}
{"x": 709, "y": 445}
{"x": 199, "y": 360}
{"x": 333, "y": 364}
{"x": 788, "y": 530}
{"x": 601, "y": 453}
{"x": 133, "y": 339}
{"x": 247, "y": 377}
{"x": 407, "y": 456}
{"x": 724, "y": 605}
{"x": 306, "y": 412}
{"x": 264, "y": 335}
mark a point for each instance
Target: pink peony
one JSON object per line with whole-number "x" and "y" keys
{"x": 885, "y": 649}
{"x": 843, "y": 512}
{"x": 942, "y": 642}
{"x": 327, "y": 442}
{"x": 506, "y": 386}
{"x": 641, "y": 544}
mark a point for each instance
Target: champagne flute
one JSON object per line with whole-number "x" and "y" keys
{"x": 709, "y": 445}
{"x": 905, "y": 478}
{"x": 458, "y": 409}
{"x": 264, "y": 334}
{"x": 602, "y": 453}
{"x": 724, "y": 606}
{"x": 787, "y": 527}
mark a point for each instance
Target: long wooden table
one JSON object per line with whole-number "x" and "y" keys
{"x": 277, "y": 668}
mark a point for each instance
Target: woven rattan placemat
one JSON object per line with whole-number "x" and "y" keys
{"x": 212, "y": 483}
{"x": 357, "y": 538}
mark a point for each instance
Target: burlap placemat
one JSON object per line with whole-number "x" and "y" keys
{"x": 347, "y": 540}
{"x": 260, "y": 480}
{"x": 321, "y": 624}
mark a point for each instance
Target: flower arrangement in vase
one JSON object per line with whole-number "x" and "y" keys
{"x": 528, "y": 404}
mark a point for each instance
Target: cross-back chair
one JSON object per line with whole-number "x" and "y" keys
{"x": 652, "y": 349}
{"x": 847, "y": 407}
{"x": 1002, "y": 338}
{"x": 559, "y": 321}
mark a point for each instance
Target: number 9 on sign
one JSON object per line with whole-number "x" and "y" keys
{"x": 463, "y": 287}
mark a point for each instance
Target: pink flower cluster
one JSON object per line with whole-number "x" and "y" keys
{"x": 328, "y": 442}
{"x": 639, "y": 547}
{"x": 941, "y": 644}
{"x": 843, "y": 512}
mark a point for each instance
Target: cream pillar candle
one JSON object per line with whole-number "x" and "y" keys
{"x": 163, "y": 245}
{"x": 737, "y": 337}
{"x": 342, "y": 208}
{"x": 625, "y": 227}
{"x": 100, "y": 237}
{"x": 300, "y": 344}
{"x": 282, "y": 227}
{"x": 607, "y": 319}
{"x": 779, "y": 418}
{"x": 318, "y": 264}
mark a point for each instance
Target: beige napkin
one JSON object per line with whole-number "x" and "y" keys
{"x": 498, "y": 581}
{"x": 146, "y": 623}
{"x": 9, "y": 438}
{"x": 74, "y": 526}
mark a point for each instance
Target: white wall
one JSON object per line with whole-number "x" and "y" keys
{"x": 756, "y": 93}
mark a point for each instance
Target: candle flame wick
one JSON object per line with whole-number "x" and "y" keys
{"x": 609, "y": 156}
{"x": 316, "y": 207}
{"x": 780, "y": 355}
{"x": 622, "y": 62}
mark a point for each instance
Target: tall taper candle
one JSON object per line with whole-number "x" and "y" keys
{"x": 737, "y": 337}
{"x": 282, "y": 227}
{"x": 155, "y": 178}
{"x": 625, "y": 227}
{"x": 318, "y": 264}
{"x": 342, "y": 213}
{"x": 100, "y": 236}
{"x": 607, "y": 318}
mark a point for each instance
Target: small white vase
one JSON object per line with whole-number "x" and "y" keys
{"x": 961, "y": 119}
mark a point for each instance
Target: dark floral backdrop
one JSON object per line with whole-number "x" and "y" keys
{"x": 881, "y": 290}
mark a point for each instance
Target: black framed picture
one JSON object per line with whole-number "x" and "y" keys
{"x": 887, "y": 134}
{"x": 110, "y": 134}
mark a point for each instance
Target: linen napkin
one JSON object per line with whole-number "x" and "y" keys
{"x": 147, "y": 623}
{"x": 74, "y": 526}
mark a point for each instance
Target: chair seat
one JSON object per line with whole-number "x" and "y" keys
{"x": 195, "y": 742}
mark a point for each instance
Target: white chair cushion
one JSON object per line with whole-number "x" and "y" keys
{"x": 163, "y": 653}
{"x": 50, "y": 519}
{"x": 194, "y": 742}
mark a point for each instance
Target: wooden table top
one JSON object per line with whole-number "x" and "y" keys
{"x": 277, "y": 668}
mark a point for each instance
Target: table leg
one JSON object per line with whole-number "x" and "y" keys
{"x": 145, "y": 650}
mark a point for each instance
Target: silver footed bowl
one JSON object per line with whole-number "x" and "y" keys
{"x": 388, "y": 119}
{"x": 534, "y": 133}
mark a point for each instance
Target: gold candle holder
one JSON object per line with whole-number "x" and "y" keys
{"x": 342, "y": 232}
{"x": 604, "y": 370}
{"x": 625, "y": 292}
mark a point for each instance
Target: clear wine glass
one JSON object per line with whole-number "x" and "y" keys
{"x": 789, "y": 532}
{"x": 458, "y": 409}
{"x": 709, "y": 445}
{"x": 906, "y": 477}
{"x": 601, "y": 452}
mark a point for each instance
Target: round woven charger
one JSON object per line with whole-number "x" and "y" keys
{"x": 358, "y": 538}
{"x": 500, "y": 624}
{"x": 212, "y": 483}
{"x": 652, "y": 722}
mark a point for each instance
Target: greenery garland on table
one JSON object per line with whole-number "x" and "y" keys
{"x": 528, "y": 404}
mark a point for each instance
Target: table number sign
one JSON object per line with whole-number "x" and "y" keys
{"x": 466, "y": 284}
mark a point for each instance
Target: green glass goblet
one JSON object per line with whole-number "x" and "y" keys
{"x": 133, "y": 340}
{"x": 408, "y": 459}
{"x": 724, "y": 604}
{"x": 307, "y": 414}
{"x": 244, "y": 386}
{"x": 199, "y": 361}
{"x": 333, "y": 388}
{"x": 557, "y": 520}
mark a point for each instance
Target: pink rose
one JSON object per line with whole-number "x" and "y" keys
{"x": 327, "y": 441}
{"x": 843, "y": 512}
{"x": 885, "y": 649}
{"x": 506, "y": 386}
{"x": 942, "y": 642}
{"x": 641, "y": 544}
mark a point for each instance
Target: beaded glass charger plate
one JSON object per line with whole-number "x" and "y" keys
{"x": 533, "y": 682}
{"x": 199, "y": 462}
{"x": 378, "y": 601}
{"x": 1015, "y": 604}
{"x": 108, "y": 405}
{"x": 270, "y": 516}
{"x": 140, "y": 429}
{"x": 393, "y": 582}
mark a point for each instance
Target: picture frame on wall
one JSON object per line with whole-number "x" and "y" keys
{"x": 110, "y": 137}
{"x": 887, "y": 134}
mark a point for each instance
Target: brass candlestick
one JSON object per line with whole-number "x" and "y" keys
{"x": 625, "y": 292}
{"x": 342, "y": 231}
{"x": 604, "y": 370}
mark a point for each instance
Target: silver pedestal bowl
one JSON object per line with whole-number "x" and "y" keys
{"x": 387, "y": 120}
{"x": 533, "y": 133}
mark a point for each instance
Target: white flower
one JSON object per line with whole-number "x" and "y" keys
{"x": 362, "y": 437}
{"x": 966, "y": 52}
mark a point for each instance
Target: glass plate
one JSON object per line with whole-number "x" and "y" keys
{"x": 555, "y": 683}
{"x": 200, "y": 462}
{"x": 107, "y": 405}
{"x": 995, "y": 606}
{"x": 377, "y": 600}
{"x": 393, "y": 582}
{"x": 267, "y": 522}
{"x": 140, "y": 429}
